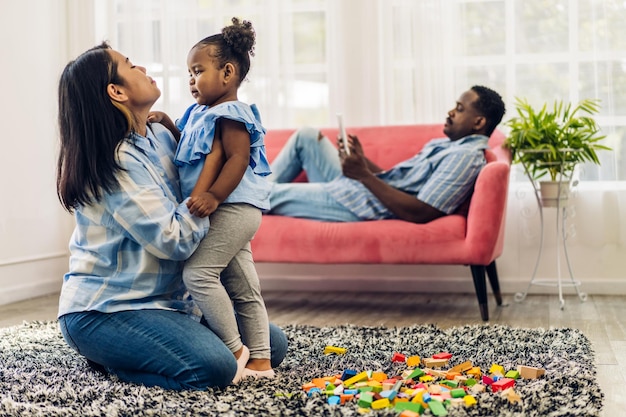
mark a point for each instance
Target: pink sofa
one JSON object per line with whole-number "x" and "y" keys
{"x": 475, "y": 240}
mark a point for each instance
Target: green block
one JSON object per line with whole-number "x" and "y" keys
{"x": 437, "y": 408}
{"x": 416, "y": 374}
{"x": 457, "y": 393}
{"x": 470, "y": 382}
{"x": 365, "y": 400}
{"x": 513, "y": 374}
{"x": 405, "y": 405}
{"x": 450, "y": 383}
{"x": 366, "y": 389}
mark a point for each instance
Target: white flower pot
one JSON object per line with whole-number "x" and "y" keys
{"x": 550, "y": 193}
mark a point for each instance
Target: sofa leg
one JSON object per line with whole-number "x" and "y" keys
{"x": 492, "y": 273}
{"x": 480, "y": 284}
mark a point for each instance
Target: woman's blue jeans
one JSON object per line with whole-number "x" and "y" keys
{"x": 158, "y": 347}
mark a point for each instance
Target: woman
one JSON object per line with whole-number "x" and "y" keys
{"x": 123, "y": 304}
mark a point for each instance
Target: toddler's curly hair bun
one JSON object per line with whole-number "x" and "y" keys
{"x": 240, "y": 36}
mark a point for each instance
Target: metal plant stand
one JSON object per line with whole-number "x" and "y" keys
{"x": 561, "y": 239}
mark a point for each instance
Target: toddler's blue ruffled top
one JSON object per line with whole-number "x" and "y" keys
{"x": 197, "y": 128}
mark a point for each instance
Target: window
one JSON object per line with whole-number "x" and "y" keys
{"x": 288, "y": 72}
{"x": 393, "y": 61}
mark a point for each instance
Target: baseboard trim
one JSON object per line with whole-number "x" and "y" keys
{"x": 35, "y": 278}
{"x": 405, "y": 278}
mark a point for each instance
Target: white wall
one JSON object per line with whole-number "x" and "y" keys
{"x": 34, "y": 229}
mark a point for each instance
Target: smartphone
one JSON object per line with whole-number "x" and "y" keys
{"x": 342, "y": 134}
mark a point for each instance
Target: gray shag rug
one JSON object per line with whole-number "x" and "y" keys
{"x": 41, "y": 376}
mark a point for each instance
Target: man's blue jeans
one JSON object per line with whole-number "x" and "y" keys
{"x": 158, "y": 347}
{"x": 305, "y": 150}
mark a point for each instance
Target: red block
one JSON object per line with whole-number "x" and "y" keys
{"x": 442, "y": 355}
{"x": 398, "y": 357}
{"x": 502, "y": 384}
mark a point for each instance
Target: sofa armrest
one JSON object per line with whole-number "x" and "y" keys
{"x": 485, "y": 218}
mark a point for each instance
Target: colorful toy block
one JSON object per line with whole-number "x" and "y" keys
{"x": 437, "y": 408}
{"x": 512, "y": 396}
{"x": 469, "y": 400}
{"x": 334, "y": 400}
{"x": 528, "y": 372}
{"x": 334, "y": 349}
{"x": 346, "y": 397}
{"x": 502, "y": 384}
{"x": 475, "y": 372}
{"x": 496, "y": 370}
{"x": 414, "y": 407}
{"x": 398, "y": 357}
{"x": 365, "y": 400}
{"x": 434, "y": 363}
{"x": 379, "y": 376}
{"x": 409, "y": 413}
{"x": 361, "y": 376}
{"x": 413, "y": 361}
{"x": 380, "y": 404}
{"x": 415, "y": 374}
{"x": 462, "y": 367}
{"x": 457, "y": 393}
{"x": 512, "y": 374}
{"x": 442, "y": 355}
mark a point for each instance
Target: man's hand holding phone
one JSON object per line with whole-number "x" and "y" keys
{"x": 342, "y": 134}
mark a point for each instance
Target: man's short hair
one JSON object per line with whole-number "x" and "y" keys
{"x": 490, "y": 105}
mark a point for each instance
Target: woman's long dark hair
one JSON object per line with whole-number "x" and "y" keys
{"x": 91, "y": 128}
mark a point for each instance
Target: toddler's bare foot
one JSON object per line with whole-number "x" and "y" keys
{"x": 242, "y": 356}
{"x": 259, "y": 368}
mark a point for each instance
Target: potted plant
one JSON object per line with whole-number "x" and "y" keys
{"x": 552, "y": 141}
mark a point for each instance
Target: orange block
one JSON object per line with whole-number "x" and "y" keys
{"x": 346, "y": 398}
{"x": 308, "y": 386}
{"x": 451, "y": 375}
{"x": 412, "y": 361}
{"x": 319, "y": 382}
{"x": 379, "y": 376}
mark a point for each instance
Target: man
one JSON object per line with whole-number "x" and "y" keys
{"x": 345, "y": 188}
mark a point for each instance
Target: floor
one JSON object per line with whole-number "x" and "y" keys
{"x": 602, "y": 318}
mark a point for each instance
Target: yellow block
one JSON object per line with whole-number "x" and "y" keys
{"x": 382, "y": 403}
{"x": 357, "y": 378}
{"x": 496, "y": 369}
{"x": 469, "y": 400}
{"x": 334, "y": 349}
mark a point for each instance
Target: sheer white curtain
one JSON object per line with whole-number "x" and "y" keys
{"x": 392, "y": 61}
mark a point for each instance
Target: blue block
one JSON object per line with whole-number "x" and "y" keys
{"x": 347, "y": 374}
